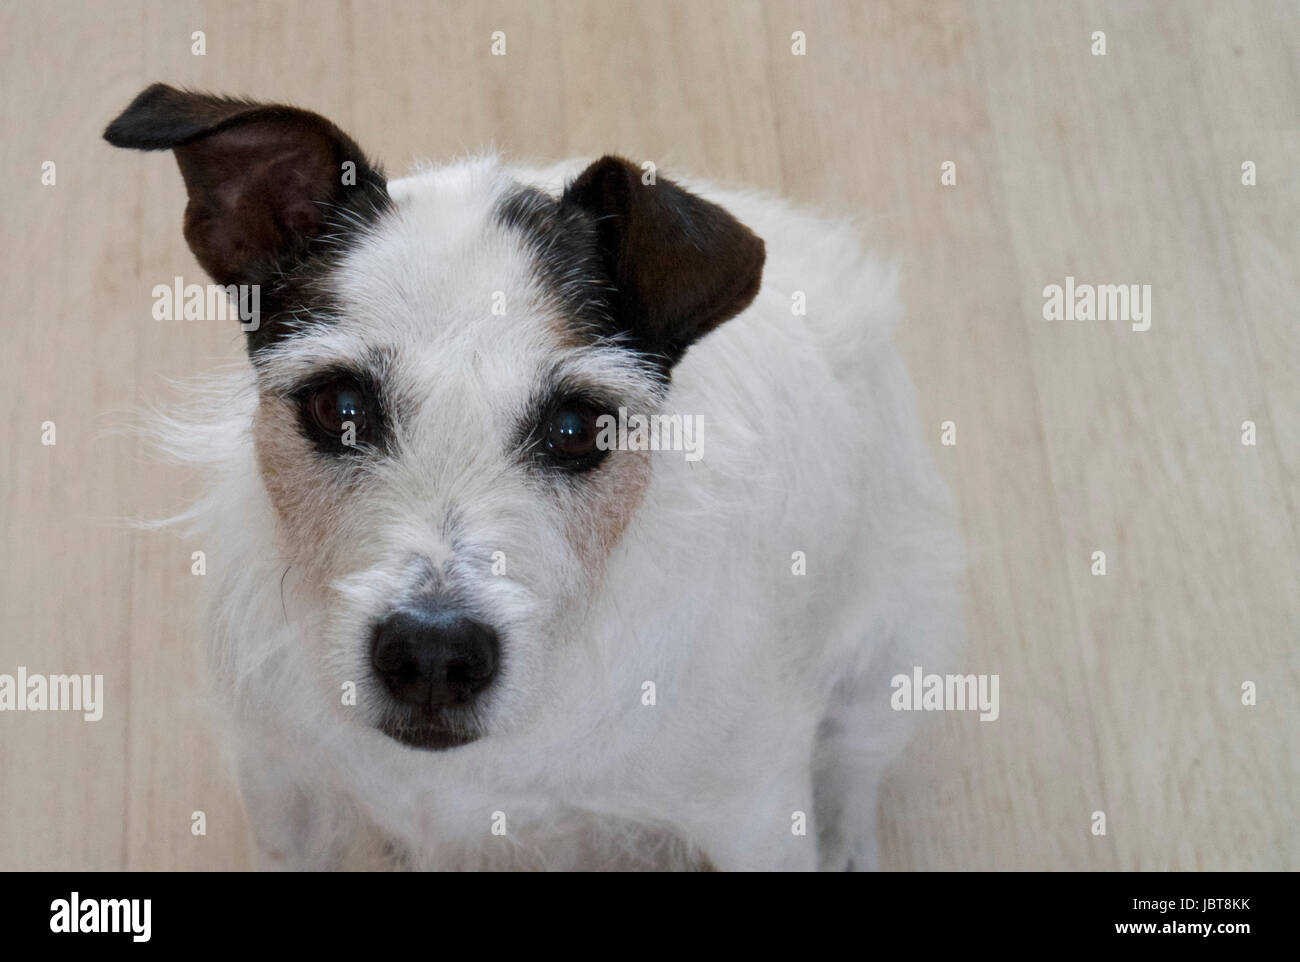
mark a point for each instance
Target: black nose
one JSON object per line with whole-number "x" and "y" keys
{"x": 434, "y": 657}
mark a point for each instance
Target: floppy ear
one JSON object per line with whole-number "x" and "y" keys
{"x": 263, "y": 179}
{"x": 679, "y": 265}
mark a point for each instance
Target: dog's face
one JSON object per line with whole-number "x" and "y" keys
{"x": 431, "y": 363}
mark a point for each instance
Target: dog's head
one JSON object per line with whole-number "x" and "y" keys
{"x": 431, "y": 364}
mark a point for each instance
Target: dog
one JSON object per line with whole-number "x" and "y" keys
{"x": 451, "y": 628}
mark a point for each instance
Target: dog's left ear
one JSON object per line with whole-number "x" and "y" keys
{"x": 262, "y": 178}
{"x": 679, "y": 264}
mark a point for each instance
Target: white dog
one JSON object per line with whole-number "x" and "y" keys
{"x": 456, "y": 623}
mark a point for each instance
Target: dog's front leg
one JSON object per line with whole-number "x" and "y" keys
{"x": 769, "y": 830}
{"x": 295, "y": 827}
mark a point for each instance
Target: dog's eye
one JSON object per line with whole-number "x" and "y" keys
{"x": 340, "y": 410}
{"x": 569, "y": 437}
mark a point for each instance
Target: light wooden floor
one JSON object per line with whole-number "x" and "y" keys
{"x": 1119, "y": 693}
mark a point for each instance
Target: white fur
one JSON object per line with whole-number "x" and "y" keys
{"x": 772, "y": 688}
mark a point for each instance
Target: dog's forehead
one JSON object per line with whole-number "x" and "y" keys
{"x": 441, "y": 275}
{"x": 439, "y": 295}
{"x": 449, "y": 294}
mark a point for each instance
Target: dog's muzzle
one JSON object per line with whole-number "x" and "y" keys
{"x": 434, "y": 661}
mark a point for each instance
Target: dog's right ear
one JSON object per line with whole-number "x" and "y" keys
{"x": 262, "y": 179}
{"x": 678, "y": 265}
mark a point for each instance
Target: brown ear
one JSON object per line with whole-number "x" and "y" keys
{"x": 679, "y": 265}
{"x": 263, "y": 179}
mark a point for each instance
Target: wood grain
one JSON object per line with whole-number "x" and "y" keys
{"x": 1119, "y": 693}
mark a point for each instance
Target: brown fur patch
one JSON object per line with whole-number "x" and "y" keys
{"x": 292, "y": 481}
{"x": 616, "y": 491}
